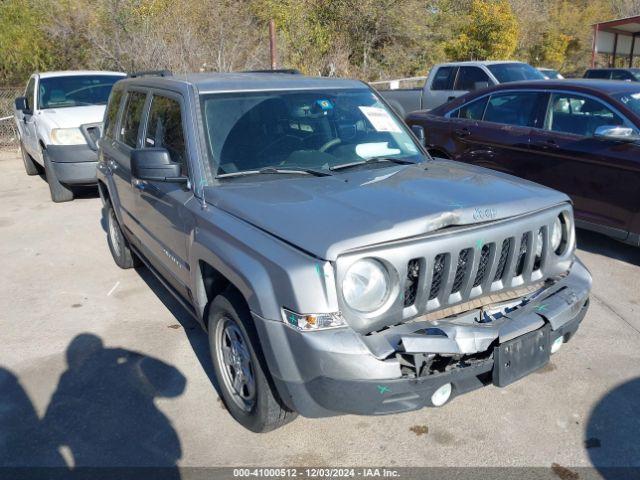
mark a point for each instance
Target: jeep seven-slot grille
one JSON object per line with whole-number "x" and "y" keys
{"x": 438, "y": 272}
{"x": 461, "y": 270}
{"x": 502, "y": 263}
{"x": 482, "y": 265}
{"x": 476, "y": 268}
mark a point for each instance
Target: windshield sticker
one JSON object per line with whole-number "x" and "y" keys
{"x": 376, "y": 149}
{"x": 380, "y": 119}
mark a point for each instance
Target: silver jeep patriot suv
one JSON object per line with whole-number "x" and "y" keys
{"x": 336, "y": 267}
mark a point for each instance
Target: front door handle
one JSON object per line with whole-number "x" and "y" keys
{"x": 139, "y": 184}
{"x": 462, "y": 132}
{"x": 452, "y": 97}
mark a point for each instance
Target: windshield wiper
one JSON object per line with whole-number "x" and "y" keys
{"x": 401, "y": 161}
{"x": 277, "y": 170}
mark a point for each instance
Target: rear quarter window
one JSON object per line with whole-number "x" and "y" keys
{"x": 131, "y": 118}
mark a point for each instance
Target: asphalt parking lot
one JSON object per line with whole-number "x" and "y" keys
{"x": 100, "y": 366}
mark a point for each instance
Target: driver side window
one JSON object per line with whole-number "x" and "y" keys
{"x": 31, "y": 94}
{"x": 164, "y": 129}
{"x": 578, "y": 115}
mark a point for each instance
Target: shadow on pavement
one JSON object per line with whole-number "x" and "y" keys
{"x": 613, "y": 430}
{"x": 102, "y": 414}
{"x": 603, "y": 245}
{"x": 197, "y": 337}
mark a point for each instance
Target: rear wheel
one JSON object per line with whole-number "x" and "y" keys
{"x": 59, "y": 192}
{"x": 30, "y": 166}
{"x": 246, "y": 386}
{"x": 118, "y": 245}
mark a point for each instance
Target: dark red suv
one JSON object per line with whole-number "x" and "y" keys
{"x": 578, "y": 136}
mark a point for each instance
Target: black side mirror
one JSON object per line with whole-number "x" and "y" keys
{"x": 154, "y": 164}
{"x": 418, "y": 131}
{"x": 22, "y": 105}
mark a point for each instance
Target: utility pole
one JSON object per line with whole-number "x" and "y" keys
{"x": 272, "y": 44}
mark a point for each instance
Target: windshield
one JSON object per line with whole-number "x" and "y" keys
{"x": 75, "y": 91}
{"x": 308, "y": 129}
{"x": 513, "y": 72}
{"x": 636, "y": 73}
{"x": 631, "y": 100}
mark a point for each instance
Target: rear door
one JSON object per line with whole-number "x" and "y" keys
{"x": 601, "y": 176}
{"x": 160, "y": 206}
{"x": 500, "y": 139}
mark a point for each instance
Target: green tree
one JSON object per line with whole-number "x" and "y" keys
{"x": 491, "y": 32}
{"x": 23, "y": 43}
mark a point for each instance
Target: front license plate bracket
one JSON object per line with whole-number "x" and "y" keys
{"x": 519, "y": 357}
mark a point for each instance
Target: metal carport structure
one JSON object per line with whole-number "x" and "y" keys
{"x": 616, "y": 38}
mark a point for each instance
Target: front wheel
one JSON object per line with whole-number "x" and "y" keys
{"x": 240, "y": 369}
{"x": 30, "y": 166}
{"x": 118, "y": 245}
{"x": 59, "y": 192}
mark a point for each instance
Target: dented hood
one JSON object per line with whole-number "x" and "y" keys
{"x": 326, "y": 216}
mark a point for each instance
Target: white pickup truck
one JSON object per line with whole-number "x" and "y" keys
{"x": 447, "y": 81}
{"x": 59, "y": 121}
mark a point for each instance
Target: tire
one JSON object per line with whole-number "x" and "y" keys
{"x": 233, "y": 340}
{"x": 59, "y": 192}
{"x": 118, "y": 245}
{"x": 30, "y": 166}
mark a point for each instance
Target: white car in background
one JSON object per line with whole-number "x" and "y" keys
{"x": 59, "y": 121}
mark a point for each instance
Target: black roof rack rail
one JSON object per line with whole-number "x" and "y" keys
{"x": 290, "y": 71}
{"x": 148, "y": 73}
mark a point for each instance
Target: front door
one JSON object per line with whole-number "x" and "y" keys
{"x": 601, "y": 176}
{"x": 28, "y": 130}
{"x": 160, "y": 207}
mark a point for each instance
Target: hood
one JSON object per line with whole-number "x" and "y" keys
{"x": 326, "y": 216}
{"x": 73, "y": 116}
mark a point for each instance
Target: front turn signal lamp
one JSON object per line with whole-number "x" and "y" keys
{"x": 314, "y": 321}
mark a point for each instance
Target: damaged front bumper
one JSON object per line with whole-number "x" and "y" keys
{"x": 400, "y": 368}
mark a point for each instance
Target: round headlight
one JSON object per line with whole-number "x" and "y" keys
{"x": 365, "y": 287}
{"x": 556, "y": 234}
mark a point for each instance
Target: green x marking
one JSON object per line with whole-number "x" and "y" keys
{"x": 542, "y": 308}
{"x": 382, "y": 389}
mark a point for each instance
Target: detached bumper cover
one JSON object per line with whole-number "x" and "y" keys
{"x": 339, "y": 371}
{"x": 74, "y": 164}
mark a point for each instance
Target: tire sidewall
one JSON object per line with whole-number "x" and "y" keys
{"x": 120, "y": 259}
{"x": 255, "y": 419}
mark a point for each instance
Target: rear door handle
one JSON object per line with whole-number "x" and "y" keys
{"x": 462, "y": 132}
{"x": 546, "y": 144}
{"x": 452, "y": 97}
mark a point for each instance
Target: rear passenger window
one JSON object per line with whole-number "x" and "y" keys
{"x": 131, "y": 118}
{"x": 579, "y": 115}
{"x": 473, "y": 110}
{"x": 518, "y": 109}
{"x": 603, "y": 74}
{"x": 164, "y": 129}
{"x": 471, "y": 78}
{"x": 443, "y": 80}
{"x": 112, "y": 111}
